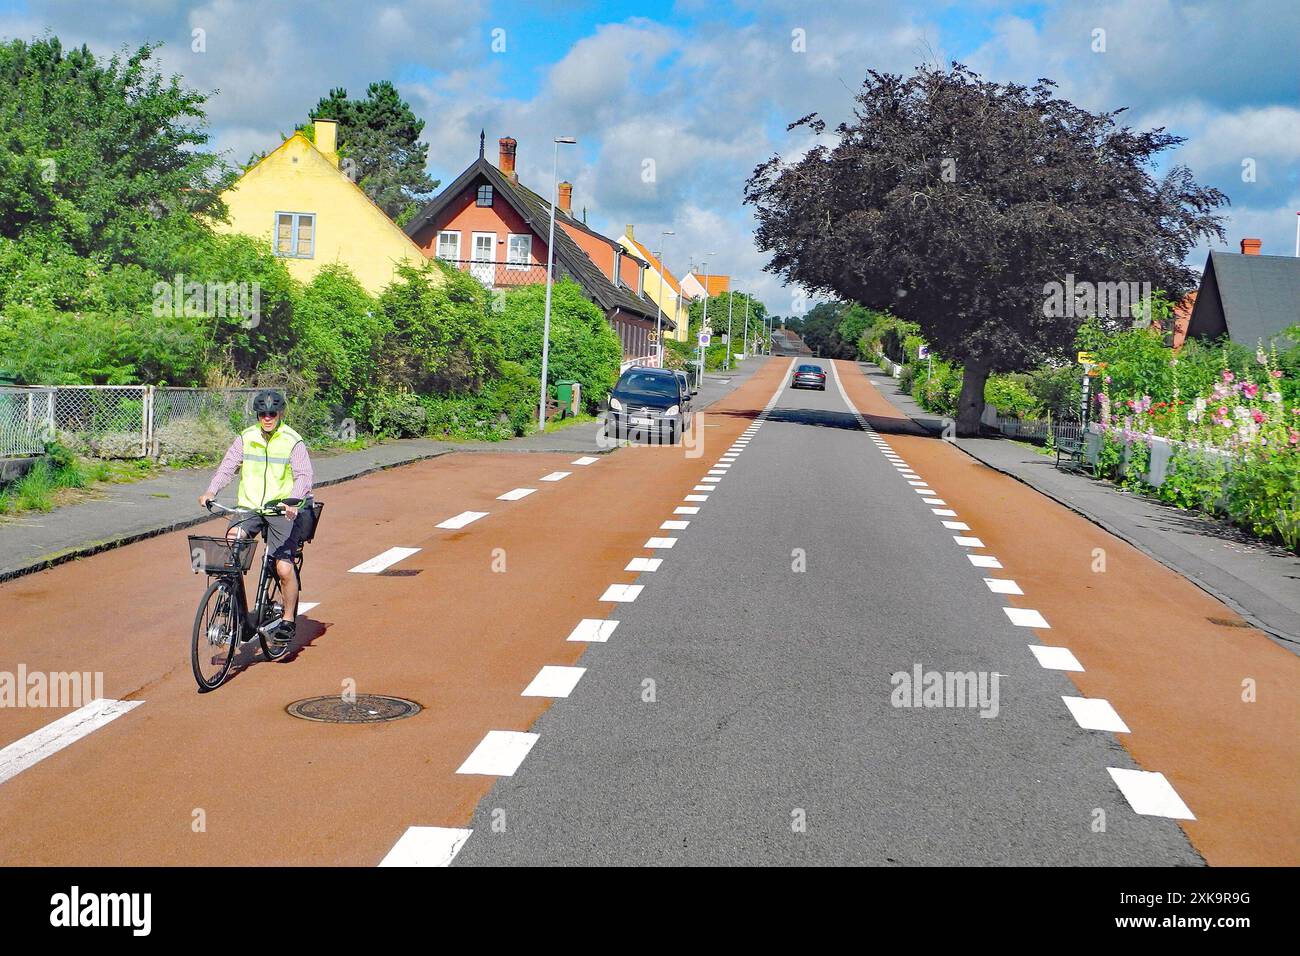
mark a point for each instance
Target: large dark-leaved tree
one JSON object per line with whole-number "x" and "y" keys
{"x": 954, "y": 202}
{"x": 380, "y": 135}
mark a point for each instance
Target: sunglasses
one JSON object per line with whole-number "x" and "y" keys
{"x": 267, "y": 414}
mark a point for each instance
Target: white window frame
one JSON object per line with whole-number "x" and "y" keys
{"x": 519, "y": 265}
{"x": 438, "y": 248}
{"x": 296, "y": 218}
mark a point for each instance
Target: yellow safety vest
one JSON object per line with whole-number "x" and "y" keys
{"x": 266, "y": 473}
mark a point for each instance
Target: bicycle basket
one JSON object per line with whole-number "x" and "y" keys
{"x": 219, "y": 556}
{"x": 309, "y": 521}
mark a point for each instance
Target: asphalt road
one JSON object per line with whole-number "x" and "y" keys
{"x": 741, "y": 713}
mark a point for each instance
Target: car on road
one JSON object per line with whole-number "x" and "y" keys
{"x": 809, "y": 376}
{"x": 648, "y": 403}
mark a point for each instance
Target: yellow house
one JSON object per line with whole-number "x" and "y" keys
{"x": 660, "y": 285}
{"x": 298, "y": 199}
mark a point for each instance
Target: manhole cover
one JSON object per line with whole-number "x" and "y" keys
{"x": 365, "y": 709}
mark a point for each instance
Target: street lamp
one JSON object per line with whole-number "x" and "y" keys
{"x": 704, "y": 322}
{"x": 659, "y": 303}
{"x": 731, "y": 295}
{"x": 550, "y": 263}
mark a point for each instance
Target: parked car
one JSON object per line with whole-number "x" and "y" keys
{"x": 650, "y": 403}
{"x": 809, "y": 376}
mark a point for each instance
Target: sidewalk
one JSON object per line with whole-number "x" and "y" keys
{"x": 129, "y": 512}
{"x": 1259, "y": 581}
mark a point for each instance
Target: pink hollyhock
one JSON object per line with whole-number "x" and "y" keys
{"x": 1258, "y": 416}
{"x": 1228, "y": 376}
{"x": 1294, "y": 437}
{"x": 1276, "y": 373}
{"x": 1250, "y": 389}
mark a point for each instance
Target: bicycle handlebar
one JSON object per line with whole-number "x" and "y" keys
{"x": 278, "y": 509}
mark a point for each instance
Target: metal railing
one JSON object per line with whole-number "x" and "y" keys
{"x": 26, "y": 420}
{"x": 496, "y": 274}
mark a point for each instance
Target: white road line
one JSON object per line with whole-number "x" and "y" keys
{"x": 984, "y": 561}
{"x": 686, "y": 510}
{"x": 934, "y": 501}
{"x": 1003, "y": 586}
{"x": 711, "y": 480}
{"x": 967, "y": 542}
{"x": 1095, "y": 713}
{"x": 722, "y": 466}
{"x": 584, "y": 460}
{"x": 644, "y": 564}
{"x": 622, "y": 593}
{"x": 556, "y": 475}
{"x": 499, "y": 754}
{"x": 956, "y": 525}
{"x": 660, "y": 543}
{"x": 1056, "y": 658}
{"x": 1150, "y": 794}
{"x": 593, "y": 630}
{"x": 554, "y": 681}
{"x": 305, "y": 606}
{"x": 704, "y": 488}
{"x": 462, "y": 519}
{"x": 53, "y": 737}
{"x": 426, "y": 846}
{"x": 717, "y": 471}
{"x": 917, "y": 483}
{"x": 924, "y": 491}
{"x": 945, "y": 512}
{"x": 516, "y": 494}
{"x": 381, "y": 561}
{"x": 696, "y": 498}
{"x": 1025, "y": 617}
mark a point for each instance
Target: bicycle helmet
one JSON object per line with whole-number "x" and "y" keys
{"x": 268, "y": 401}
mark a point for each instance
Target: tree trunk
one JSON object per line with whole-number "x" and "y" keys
{"x": 970, "y": 404}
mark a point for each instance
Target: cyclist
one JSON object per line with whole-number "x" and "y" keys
{"x": 273, "y": 463}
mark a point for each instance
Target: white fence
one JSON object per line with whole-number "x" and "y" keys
{"x": 122, "y": 421}
{"x": 26, "y": 420}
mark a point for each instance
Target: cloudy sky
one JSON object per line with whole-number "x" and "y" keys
{"x": 698, "y": 92}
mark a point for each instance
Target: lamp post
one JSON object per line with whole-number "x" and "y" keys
{"x": 731, "y": 295}
{"x": 550, "y": 263}
{"x": 746, "y": 327}
{"x": 659, "y": 299}
{"x": 704, "y": 322}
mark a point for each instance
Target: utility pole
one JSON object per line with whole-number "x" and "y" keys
{"x": 731, "y": 294}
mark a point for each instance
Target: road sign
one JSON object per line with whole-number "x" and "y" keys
{"x": 704, "y": 339}
{"x": 922, "y": 351}
{"x": 1085, "y": 358}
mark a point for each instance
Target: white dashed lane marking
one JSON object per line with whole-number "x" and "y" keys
{"x": 1003, "y": 586}
{"x": 462, "y": 519}
{"x": 556, "y": 475}
{"x": 1056, "y": 658}
{"x": 644, "y": 564}
{"x": 1026, "y": 617}
{"x": 516, "y": 494}
{"x": 499, "y": 754}
{"x": 674, "y": 526}
{"x": 984, "y": 561}
{"x": 1150, "y": 794}
{"x": 593, "y": 630}
{"x": 622, "y": 593}
{"x": 1095, "y": 713}
{"x": 584, "y": 460}
{"x": 426, "y": 846}
{"x": 661, "y": 542}
{"x": 381, "y": 561}
{"x": 554, "y": 681}
{"x": 53, "y": 737}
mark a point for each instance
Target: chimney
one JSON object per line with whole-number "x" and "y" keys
{"x": 566, "y": 197}
{"x": 326, "y": 132}
{"x": 506, "y": 159}
{"x": 629, "y": 231}
{"x": 1250, "y": 247}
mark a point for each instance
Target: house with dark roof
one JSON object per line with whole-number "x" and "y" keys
{"x": 492, "y": 226}
{"x": 1248, "y": 297}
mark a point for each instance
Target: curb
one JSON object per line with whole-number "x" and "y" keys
{"x": 1290, "y": 642}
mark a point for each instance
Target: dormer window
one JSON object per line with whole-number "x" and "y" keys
{"x": 484, "y": 196}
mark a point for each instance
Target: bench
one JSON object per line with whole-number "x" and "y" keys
{"x": 1068, "y": 449}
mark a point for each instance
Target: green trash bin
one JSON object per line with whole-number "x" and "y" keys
{"x": 564, "y": 392}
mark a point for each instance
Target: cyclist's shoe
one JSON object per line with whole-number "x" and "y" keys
{"x": 284, "y": 633}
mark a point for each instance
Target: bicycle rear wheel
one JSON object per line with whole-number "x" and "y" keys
{"x": 216, "y": 635}
{"x": 270, "y": 648}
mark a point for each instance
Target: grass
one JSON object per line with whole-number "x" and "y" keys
{"x": 559, "y": 424}
{"x": 49, "y": 482}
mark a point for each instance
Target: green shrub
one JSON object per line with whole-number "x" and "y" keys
{"x": 1010, "y": 393}
{"x": 338, "y": 335}
{"x": 583, "y": 346}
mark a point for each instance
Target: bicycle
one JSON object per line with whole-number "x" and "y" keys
{"x": 224, "y": 621}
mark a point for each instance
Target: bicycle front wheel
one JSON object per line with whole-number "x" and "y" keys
{"x": 216, "y": 633}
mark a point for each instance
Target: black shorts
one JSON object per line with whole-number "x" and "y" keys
{"x": 282, "y": 535}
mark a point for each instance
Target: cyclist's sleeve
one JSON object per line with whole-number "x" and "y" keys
{"x": 303, "y": 476}
{"x": 229, "y": 465}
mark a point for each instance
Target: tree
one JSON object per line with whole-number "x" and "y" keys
{"x": 97, "y": 154}
{"x": 718, "y": 308}
{"x": 380, "y": 135}
{"x": 957, "y": 203}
